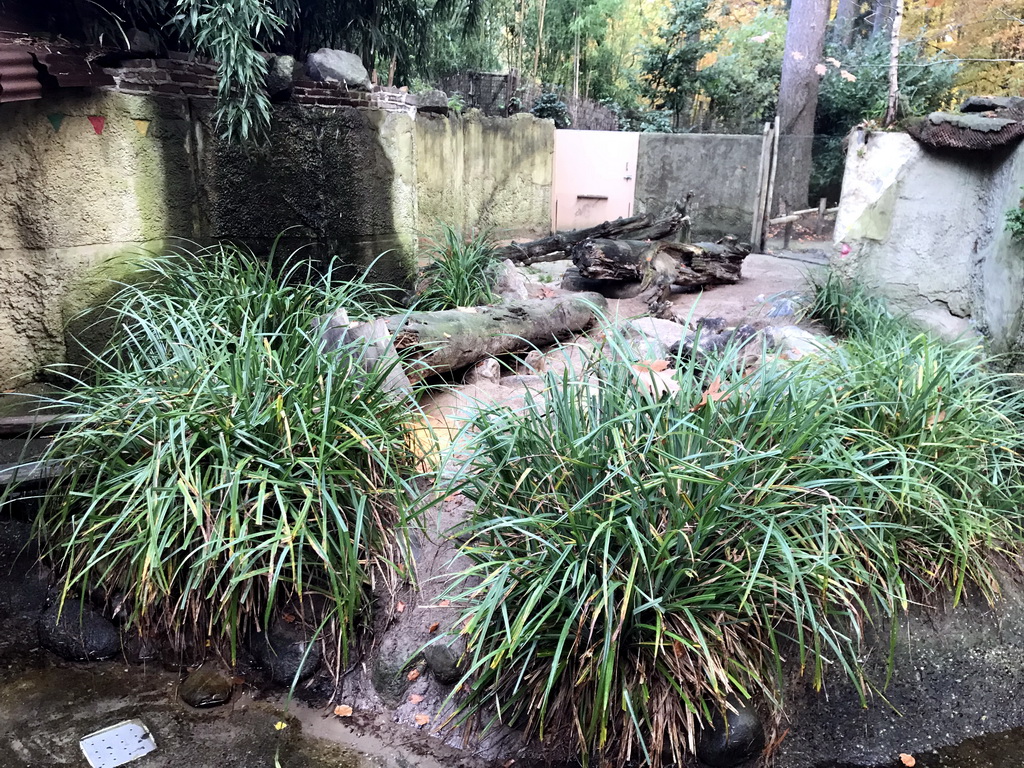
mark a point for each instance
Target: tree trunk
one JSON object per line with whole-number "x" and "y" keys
{"x": 557, "y": 246}
{"x": 882, "y": 18}
{"x": 894, "y": 63}
{"x": 798, "y": 97}
{"x": 437, "y": 342}
{"x": 843, "y": 25}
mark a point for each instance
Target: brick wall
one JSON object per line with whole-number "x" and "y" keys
{"x": 175, "y": 76}
{"x": 181, "y": 76}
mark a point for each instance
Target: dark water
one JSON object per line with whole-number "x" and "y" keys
{"x": 1001, "y": 750}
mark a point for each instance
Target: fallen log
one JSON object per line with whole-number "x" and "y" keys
{"x": 687, "y": 265}
{"x": 657, "y": 267}
{"x": 437, "y": 342}
{"x": 642, "y": 227}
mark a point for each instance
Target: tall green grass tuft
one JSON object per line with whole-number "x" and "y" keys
{"x": 639, "y": 558}
{"x": 224, "y": 465}
{"x": 461, "y": 272}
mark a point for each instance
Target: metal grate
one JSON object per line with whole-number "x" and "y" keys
{"x": 118, "y": 744}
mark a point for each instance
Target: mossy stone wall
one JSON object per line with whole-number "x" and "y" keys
{"x": 81, "y": 200}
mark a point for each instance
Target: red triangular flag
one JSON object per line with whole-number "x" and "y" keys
{"x": 97, "y": 123}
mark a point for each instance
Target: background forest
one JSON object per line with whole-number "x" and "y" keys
{"x": 660, "y": 65}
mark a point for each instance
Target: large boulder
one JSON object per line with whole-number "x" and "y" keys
{"x": 288, "y": 652}
{"x": 330, "y": 65}
{"x": 208, "y": 686}
{"x": 733, "y": 737}
{"x": 78, "y": 633}
{"x": 281, "y": 76}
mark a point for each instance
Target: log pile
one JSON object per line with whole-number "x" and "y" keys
{"x": 651, "y": 270}
{"x": 673, "y": 223}
{"x": 637, "y": 257}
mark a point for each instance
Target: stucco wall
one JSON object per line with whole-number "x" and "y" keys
{"x": 478, "y": 171}
{"x": 721, "y": 171}
{"x": 77, "y": 207}
{"x": 927, "y": 230}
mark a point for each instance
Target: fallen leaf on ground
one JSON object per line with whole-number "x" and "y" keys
{"x": 422, "y": 719}
{"x": 415, "y": 698}
{"x": 907, "y": 760}
{"x": 433, "y": 627}
{"x": 343, "y": 710}
{"x": 712, "y": 394}
{"x": 414, "y": 675}
{"x": 651, "y": 365}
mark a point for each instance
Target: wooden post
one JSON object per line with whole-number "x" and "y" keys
{"x": 822, "y": 207}
{"x": 770, "y": 194}
{"x": 757, "y": 226}
{"x": 788, "y": 231}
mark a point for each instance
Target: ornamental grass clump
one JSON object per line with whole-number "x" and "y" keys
{"x": 223, "y": 465}
{"x": 461, "y": 271}
{"x": 639, "y": 558}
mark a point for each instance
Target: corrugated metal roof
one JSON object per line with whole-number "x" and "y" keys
{"x": 19, "y": 78}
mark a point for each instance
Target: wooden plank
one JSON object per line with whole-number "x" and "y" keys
{"x": 34, "y": 424}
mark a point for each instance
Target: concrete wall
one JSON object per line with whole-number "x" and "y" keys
{"x": 77, "y": 207}
{"x": 927, "y": 230}
{"x": 485, "y": 171}
{"x": 721, "y": 171}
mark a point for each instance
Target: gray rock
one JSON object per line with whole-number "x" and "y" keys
{"x": 488, "y": 370}
{"x": 288, "y": 653}
{"x": 443, "y": 661}
{"x": 704, "y": 344}
{"x": 992, "y": 104}
{"x": 78, "y": 635}
{"x": 732, "y": 738}
{"x": 140, "y": 43}
{"x": 208, "y": 686}
{"x": 510, "y": 282}
{"x": 653, "y": 337}
{"x": 392, "y": 664}
{"x": 369, "y": 342}
{"x": 281, "y": 76}
{"x": 433, "y": 101}
{"x": 794, "y": 343}
{"x": 712, "y": 324}
{"x": 331, "y": 65}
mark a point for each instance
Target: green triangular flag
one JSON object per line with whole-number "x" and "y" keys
{"x": 55, "y": 121}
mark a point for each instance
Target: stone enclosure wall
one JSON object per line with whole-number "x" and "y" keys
{"x": 720, "y": 170}
{"x": 927, "y": 229}
{"x": 89, "y": 180}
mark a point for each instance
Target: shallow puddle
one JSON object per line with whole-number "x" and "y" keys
{"x": 45, "y": 711}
